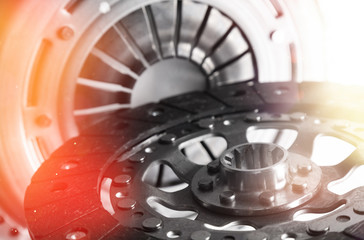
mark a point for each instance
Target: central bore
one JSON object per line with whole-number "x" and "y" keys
{"x": 255, "y": 167}
{"x": 253, "y": 156}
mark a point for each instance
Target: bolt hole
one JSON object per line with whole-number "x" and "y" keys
{"x": 77, "y": 234}
{"x": 59, "y": 187}
{"x": 343, "y": 218}
{"x": 69, "y": 165}
{"x": 174, "y": 234}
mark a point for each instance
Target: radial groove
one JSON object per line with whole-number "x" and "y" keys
{"x": 178, "y": 24}
{"x": 105, "y": 86}
{"x": 152, "y": 26}
{"x": 229, "y": 62}
{"x": 201, "y": 29}
{"x": 101, "y": 109}
{"x": 218, "y": 43}
{"x": 131, "y": 43}
{"x": 115, "y": 64}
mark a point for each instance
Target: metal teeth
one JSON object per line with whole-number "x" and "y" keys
{"x": 237, "y": 159}
{"x": 249, "y": 155}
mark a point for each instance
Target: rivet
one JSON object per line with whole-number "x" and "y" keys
{"x": 14, "y": 231}
{"x": 359, "y": 207}
{"x": 168, "y": 138}
{"x": 266, "y": 198}
{"x": 213, "y": 167}
{"x": 299, "y": 185}
{"x": 227, "y": 197}
{"x": 152, "y": 224}
{"x": 126, "y": 204}
{"x": 304, "y": 168}
{"x": 156, "y": 112}
{"x": 122, "y": 180}
{"x": 254, "y": 118}
{"x": 227, "y": 122}
{"x": 318, "y": 228}
{"x": 66, "y": 33}
{"x": 200, "y": 235}
{"x": 149, "y": 150}
{"x": 205, "y": 184}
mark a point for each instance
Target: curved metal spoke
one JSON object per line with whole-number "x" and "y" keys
{"x": 304, "y": 143}
{"x": 184, "y": 168}
{"x": 113, "y": 63}
{"x": 130, "y": 42}
{"x": 153, "y": 30}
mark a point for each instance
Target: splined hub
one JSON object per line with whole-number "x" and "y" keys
{"x": 256, "y": 178}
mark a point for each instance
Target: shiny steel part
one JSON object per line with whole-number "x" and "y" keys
{"x": 180, "y": 45}
{"x": 83, "y": 60}
{"x": 257, "y": 179}
{"x": 108, "y": 194}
